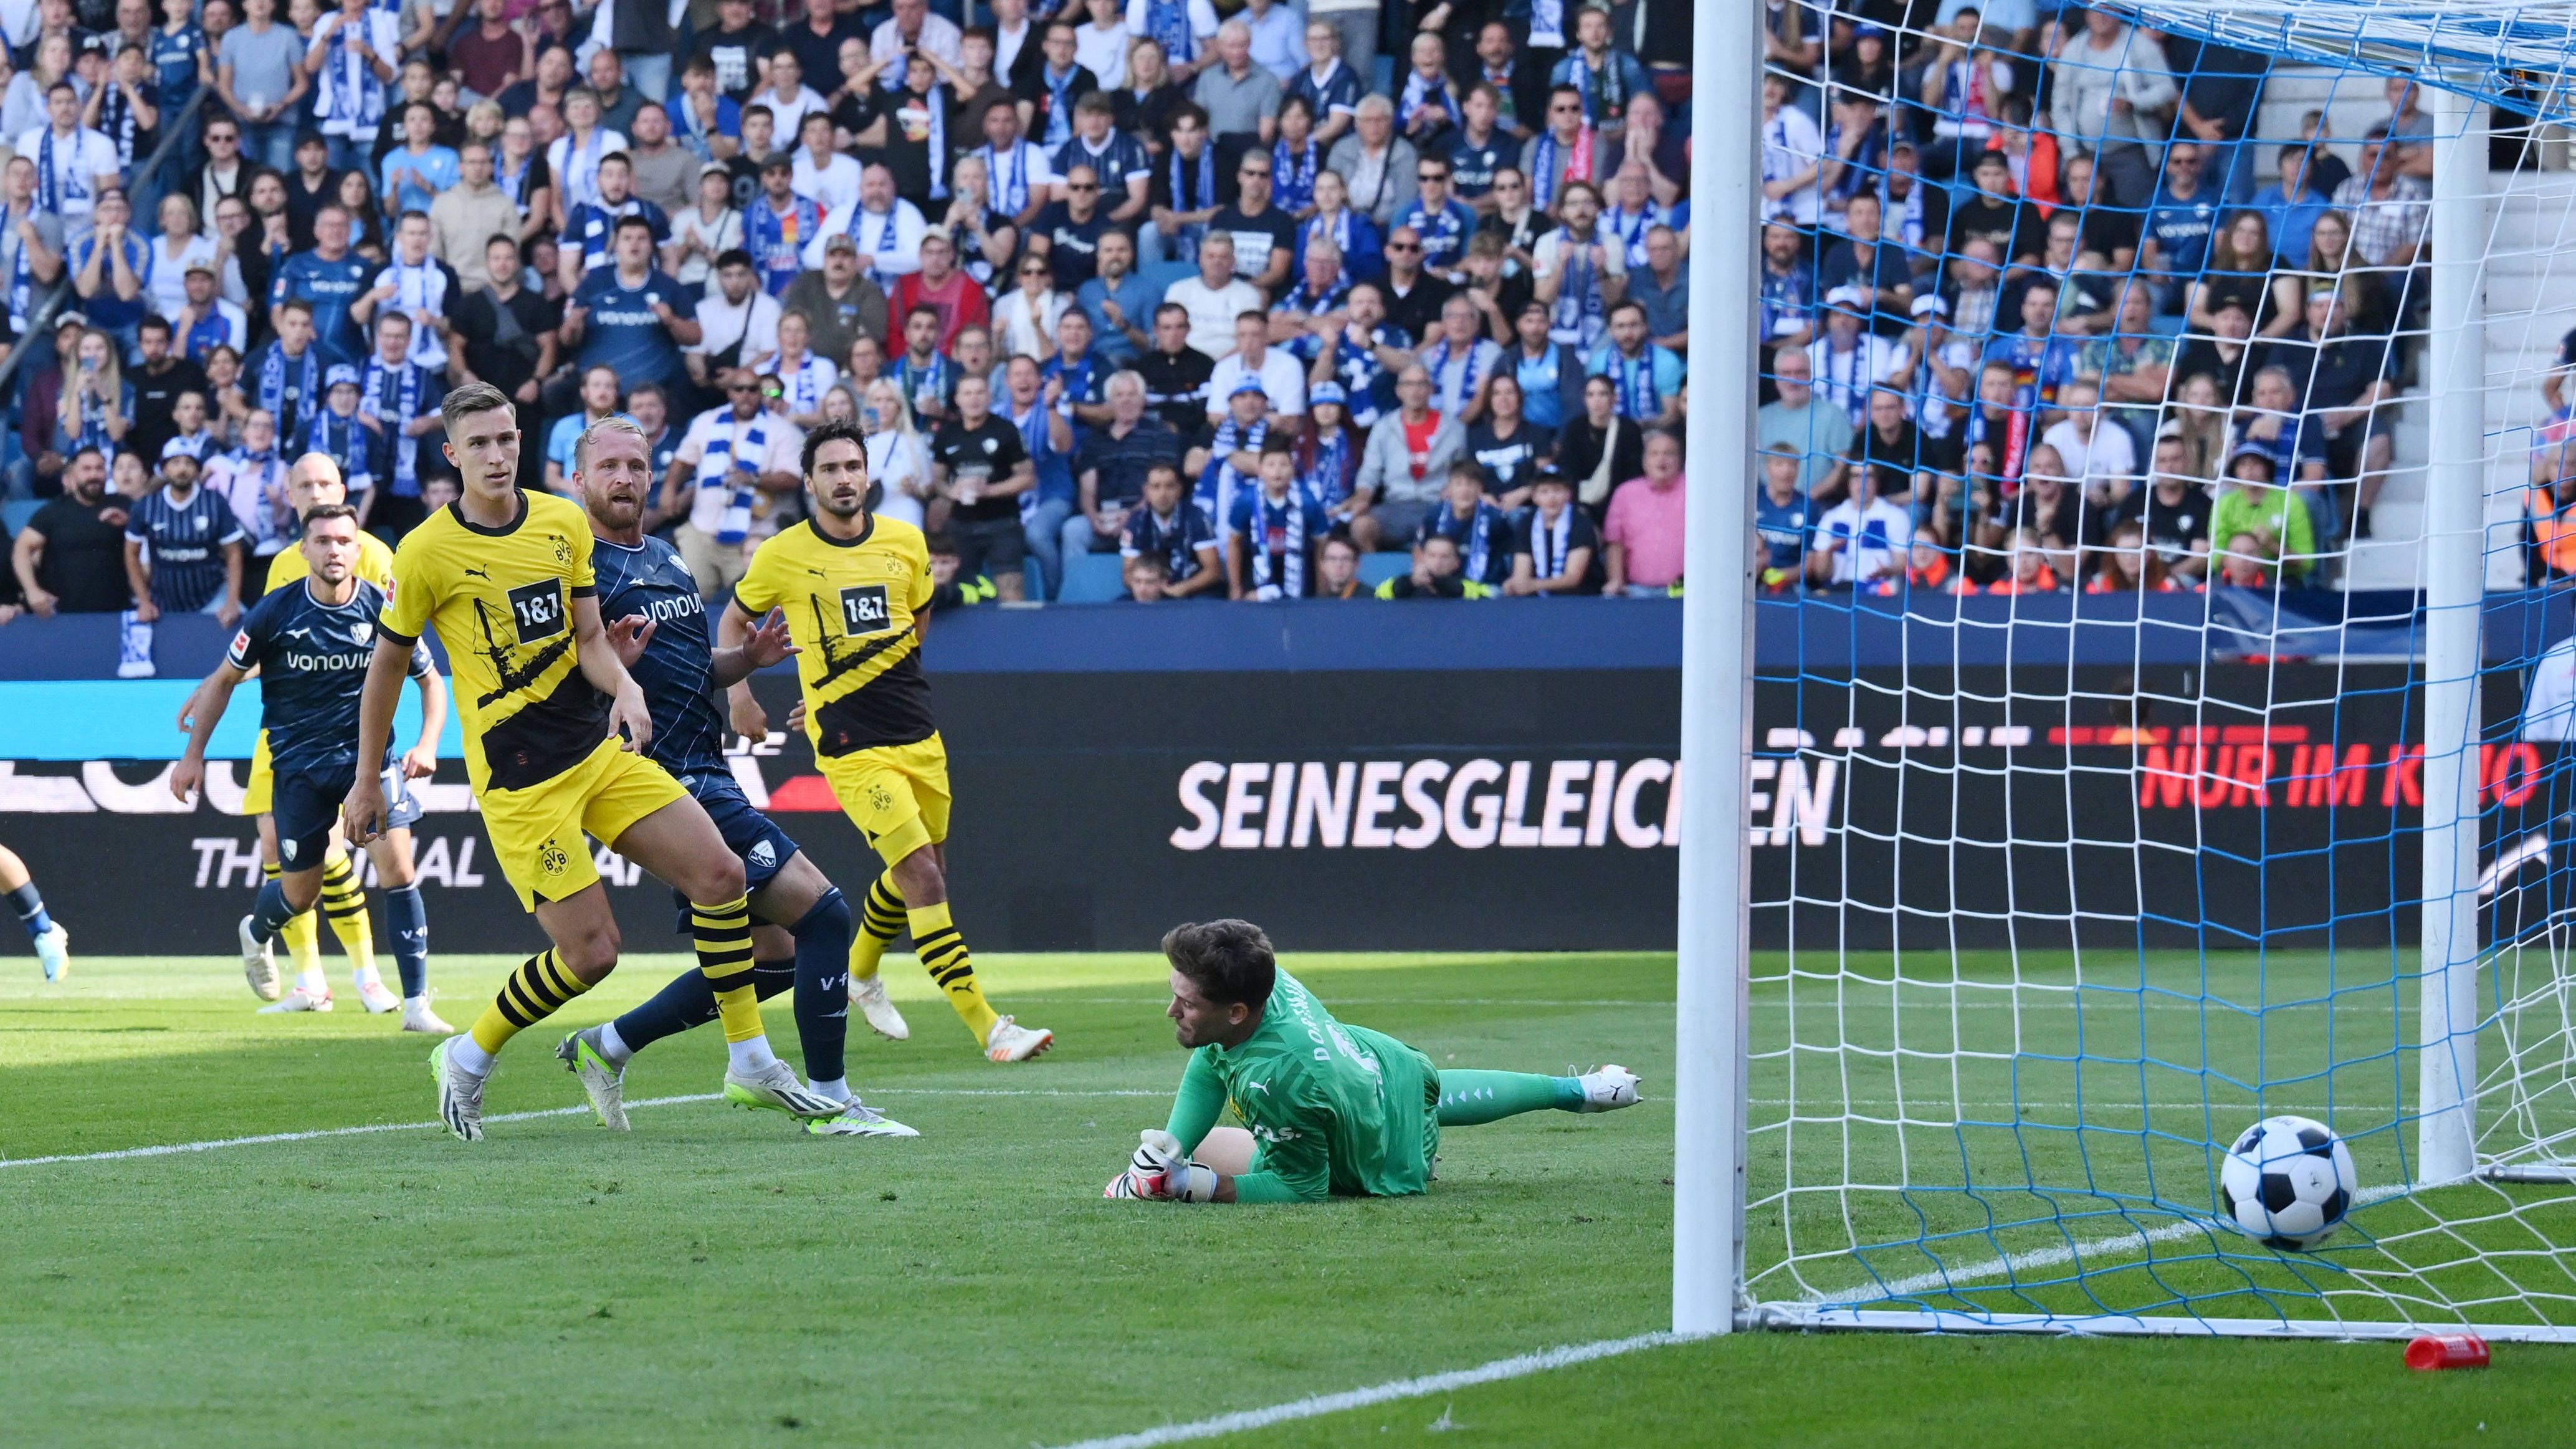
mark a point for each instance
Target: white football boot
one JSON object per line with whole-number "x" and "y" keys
{"x": 259, "y": 963}
{"x": 460, "y": 1094}
{"x": 869, "y": 997}
{"x": 298, "y": 999}
{"x": 376, "y": 999}
{"x": 777, "y": 1088}
{"x": 603, "y": 1084}
{"x": 1011, "y": 1042}
{"x": 1607, "y": 1089}
{"x": 54, "y": 953}
{"x": 858, "y": 1119}
{"x": 418, "y": 1017}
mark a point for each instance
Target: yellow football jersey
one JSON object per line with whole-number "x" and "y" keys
{"x": 850, "y": 607}
{"x": 501, "y": 599}
{"x": 375, "y": 565}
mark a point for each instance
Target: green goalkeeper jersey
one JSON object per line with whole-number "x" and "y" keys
{"x": 1333, "y": 1109}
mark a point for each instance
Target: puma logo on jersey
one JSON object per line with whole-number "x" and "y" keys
{"x": 473, "y": 573}
{"x": 1262, "y": 1087}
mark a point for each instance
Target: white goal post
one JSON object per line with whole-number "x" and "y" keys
{"x": 1840, "y": 1118}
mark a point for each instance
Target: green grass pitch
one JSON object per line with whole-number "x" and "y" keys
{"x": 717, "y": 1278}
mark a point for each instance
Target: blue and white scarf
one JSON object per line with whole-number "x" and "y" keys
{"x": 1419, "y": 92}
{"x": 1546, "y": 25}
{"x": 805, "y": 383}
{"x": 1436, "y": 360}
{"x": 514, "y": 184}
{"x": 1612, "y": 102}
{"x": 393, "y": 396}
{"x": 49, "y": 182}
{"x": 93, "y": 426}
{"x": 1338, "y": 227}
{"x": 778, "y": 242}
{"x": 421, "y": 288}
{"x": 1168, "y": 21}
{"x": 926, "y": 385}
{"x": 1545, "y": 162}
{"x": 1219, "y": 479}
{"x": 22, "y": 273}
{"x": 116, "y": 117}
{"x": 1630, "y": 228}
{"x": 1634, "y": 377}
{"x": 735, "y": 523}
{"x": 1006, "y": 190}
{"x": 1207, "y": 181}
{"x": 1359, "y": 370}
{"x": 1580, "y": 317}
{"x": 1282, "y": 576}
{"x": 1059, "y": 116}
{"x": 345, "y": 441}
{"x": 580, "y": 178}
{"x": 1328, "y": 477}
{"x": 1551, "y": 544}
{"x": 1315, "y": 304}
{"x": 272, "y": 385}
{"x": 881, "y": 250}
{"x": 1475, "y": 537}
{"x": 356, "y": 99}
{"x": 1033, "y": 438}
{"x": 1292, "y": 178}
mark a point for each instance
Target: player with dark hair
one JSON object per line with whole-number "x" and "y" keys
{"x": 854, "y": 587}
{"x": 312, "y": 644}
{"x": 53, "y": 943}
{"x": 555, "y": 733}
{"x": 658, "y": 625}
{"x": 1334, "y": 1110}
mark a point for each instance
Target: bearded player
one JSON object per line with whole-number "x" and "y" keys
{"x": 555, "y": 732}
{"x": 853, "y": 586}
{"x": 1334, "y": 1110}
{"x": 802, "y": 935}
{"x": 315, "y": 482}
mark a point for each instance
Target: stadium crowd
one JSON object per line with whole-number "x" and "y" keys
{"x": 1240, "y": 293}
{"x": 2041, "y": 310}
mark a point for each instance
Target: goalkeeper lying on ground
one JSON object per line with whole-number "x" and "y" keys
{"x": 1334, "y": 1110}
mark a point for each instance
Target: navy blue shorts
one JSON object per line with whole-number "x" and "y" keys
{"x": 764, "y": 847}
{"x": 306, "y": 806}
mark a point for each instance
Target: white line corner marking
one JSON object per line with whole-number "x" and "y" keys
{"x": 1307, "y": 1408}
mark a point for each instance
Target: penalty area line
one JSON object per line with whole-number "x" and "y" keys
{"x": 1520, "y": 1366}
{"x": 263, "y": 1139}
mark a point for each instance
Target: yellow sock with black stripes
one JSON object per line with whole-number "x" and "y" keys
{"x": 723, "y": 937}
{"x": 943, "y": 955}
{"x": 537, "y": 990}
{"x": 344, "y": 905}
{"x": 880, "y": 921}
{"x": 303, "y": 944}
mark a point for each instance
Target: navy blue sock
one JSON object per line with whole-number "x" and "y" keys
{"x": 409, "y": 922}
{"x": 823, "y": 986}
{"x": 30, "y": 907}
{"x": 688, "y": 1001}
{"x": 270, "y": 913}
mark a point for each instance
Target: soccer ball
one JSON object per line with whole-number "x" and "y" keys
{"x": 2287, "y": 1183}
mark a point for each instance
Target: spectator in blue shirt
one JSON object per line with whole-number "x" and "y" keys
{"x": 111, "y": 269}
{"x": 623, "y": 316}
{"x": 1443, "y": 221}
{"x": 1647, "y": 378}
{"x": 2179, "y": 224}
{"x": 2291, "y": 206}
{"x": 1119, "y": 303}
{"x": 329, "y": 279}
{"x": 590, "y": 231}
{"x": 415, "y": 172}
{"x": 1782, "y": 518}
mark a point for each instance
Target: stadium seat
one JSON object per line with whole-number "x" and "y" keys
{"x": 1091, "y": 578}
{"x": 1377, "y": 568}
{"x": 1161, "y": 275}
{"x": 15, "y": 513}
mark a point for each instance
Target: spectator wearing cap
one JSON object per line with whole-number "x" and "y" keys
{"x": 1480, "y": 528}
{"x": 160, "y": 377}
{"x": 777, "y": 223}
{"x": 2258, "y": 521}
{"x": 338, "y": 431}
{"x": 1846, "y": 362}
{"x": 1405, "y": 464}
{"x": 468, "y": 215}
{"x": 183, "y": 555}
{"x": 1272, "y": 371}
{"x": 70, "y": 557}
{"x": 838, "y": 302}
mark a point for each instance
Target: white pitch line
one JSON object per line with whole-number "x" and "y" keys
{"x": 174, "y": 1149}
{"x": 1308, "y": 1408}
{"x": 2036, "y": 1258}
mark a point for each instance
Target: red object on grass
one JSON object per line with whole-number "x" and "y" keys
{"x": 2446, "y": 1351}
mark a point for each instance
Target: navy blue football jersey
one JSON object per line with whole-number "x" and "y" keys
{"x": 312, "y": 663}
{"x": 677, "y": 670}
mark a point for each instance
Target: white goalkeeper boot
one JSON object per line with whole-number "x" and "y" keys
{"x": 869, "y": 996}
{"x": 1608, "y": 1089}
